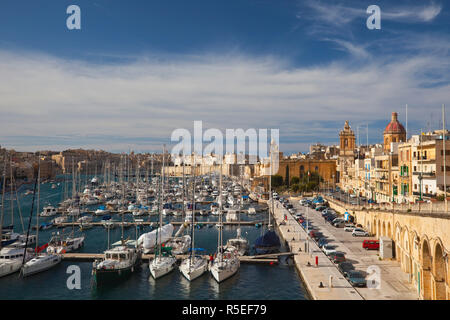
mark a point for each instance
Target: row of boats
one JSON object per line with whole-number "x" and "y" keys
{"x": 17, "y": 252}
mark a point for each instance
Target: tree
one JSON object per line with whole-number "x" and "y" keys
{"x": 295, "y": 180}
{"x": 277, "y": 181}
{"x": 295, "y": 187}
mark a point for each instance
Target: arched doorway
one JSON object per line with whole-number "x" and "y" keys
{"x": 426, "y": 271}
{"x": 439, "y": 272}
{"x": 383, "y": 230}
{"x": 302, "y": 172}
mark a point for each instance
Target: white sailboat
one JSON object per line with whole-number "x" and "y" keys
{"x": 163, "y": 263}
{"x": 193, "y": 266}
{"x": 42, "y": 261}
{"x": 226, "y": 262}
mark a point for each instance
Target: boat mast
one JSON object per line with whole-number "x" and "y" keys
{"x": 193, "y": 220}
{"x": 11, "y": 191}
{"x": 270, "y": 188}
{"x": 38, "y": 198}
{"x": 220, "y": 215}
{"x": 3, "y": 199}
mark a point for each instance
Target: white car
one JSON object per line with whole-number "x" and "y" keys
{"x": 292, "y": 211}
{"x": 349, "y": 228}
{"x": 357, "y": 232}
{"x": 328, "y": 249}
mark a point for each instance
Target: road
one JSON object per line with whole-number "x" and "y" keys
{"x": 394, "y": 282}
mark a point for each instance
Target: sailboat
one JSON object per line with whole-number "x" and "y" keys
{"x": 193, "y": 266}
{"x": 118, "y": 262}
{"x": 42, "y": 261}
{"x": 163, "y": 262}
{"x": 59, "y": 244}
{"x": 269, "y": 242}
{"x": 240, "y": 243}
{"x": 226, "y": 262}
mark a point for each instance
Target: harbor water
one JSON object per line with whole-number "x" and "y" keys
{"x": 253, "y": 281}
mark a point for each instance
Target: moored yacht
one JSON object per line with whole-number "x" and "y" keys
{"x": 11, "y": 259}
{"x": 39, "y": 263}
{"x": 49, "y": 211}
{"x": 225, "y": 264}
{"x": 118, "y": 263}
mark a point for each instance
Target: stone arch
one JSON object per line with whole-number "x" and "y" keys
{"x": 383, "y": 230}
{"x": 439, "y": 272}
{"x": 389, "y": 232}
{"x": 406, "y": 251}
{"x": 426, "y": 262}
{"x": 301, "y": 172}
{"x": 378, "y": 229}
{"x": 398, "y": 241}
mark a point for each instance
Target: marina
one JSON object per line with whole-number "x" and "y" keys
{"x": 65, "y": 213}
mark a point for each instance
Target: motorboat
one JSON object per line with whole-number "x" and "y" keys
{"x": 117, "y": 263}
{"x": 48, "y": 211}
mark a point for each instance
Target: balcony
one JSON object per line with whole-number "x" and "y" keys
{"x": 426, "y": 175}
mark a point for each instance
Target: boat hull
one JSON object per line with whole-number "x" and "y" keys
{"x": 106, "y": 276}
{"x": 158, "y": 271}
{"x": 29, "y": 270}
{"x": 223, "y": 274}
{"x": 194, "y": 273}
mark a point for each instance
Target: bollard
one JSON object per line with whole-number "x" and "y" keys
{"x": 331, "y": 281}
{"x": 320, "y": 284}
{"x": 317, "y": 261}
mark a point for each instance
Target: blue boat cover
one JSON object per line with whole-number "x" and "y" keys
{"x": 268, "y": 239}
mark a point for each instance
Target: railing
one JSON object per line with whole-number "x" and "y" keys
{"x": 434, "y": 209}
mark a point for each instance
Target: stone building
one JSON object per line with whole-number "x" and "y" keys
{"x": 394, "y": 132}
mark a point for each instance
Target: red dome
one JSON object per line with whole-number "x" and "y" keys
{"x": 394, "y": 126}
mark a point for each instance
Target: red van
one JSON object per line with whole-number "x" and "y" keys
{"x": 371, "y": 244}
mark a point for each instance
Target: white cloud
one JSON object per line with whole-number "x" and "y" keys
{"x": 45, "y": 96}
{"x": 339, "y": 16}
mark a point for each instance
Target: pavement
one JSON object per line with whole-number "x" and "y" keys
{"x": 394, "y": 283}
{"x": 313, "y": 275}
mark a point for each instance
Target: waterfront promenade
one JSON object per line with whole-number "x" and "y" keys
{"x": 394, "y": 283}
{"x": 312, "y": 275}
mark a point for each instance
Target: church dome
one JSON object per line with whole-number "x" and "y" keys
{"x": 394, "y": 126}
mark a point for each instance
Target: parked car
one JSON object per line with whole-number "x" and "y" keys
{"x": 371, "y": 244}
{"x": 345, "y": 267}
{"x": 338, "y": 257}
{"x": 321, "y": 242}
{"x": 356, "y": 278}
{"x": 337, "y": 220}
{"x": 292, "y": 211}
{"x": 357, "y": 232}
{"x": 328, "y": 249}
{"x": 339, "y": 224}
{"x": 349, "y": 227}
{"x": 320, "y": 208}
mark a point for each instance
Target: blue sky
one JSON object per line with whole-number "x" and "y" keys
{"x": 137, "y": 70}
